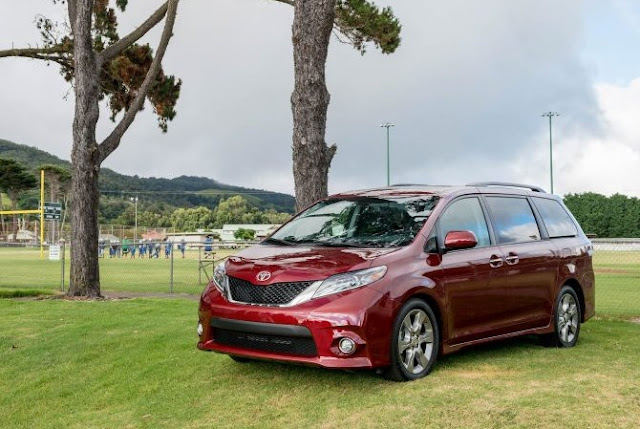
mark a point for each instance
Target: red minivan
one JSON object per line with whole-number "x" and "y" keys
{"x": 390, "y": 278}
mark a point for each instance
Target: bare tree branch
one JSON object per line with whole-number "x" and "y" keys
{"x": 33, "y": 52}
{"x": 112, "y": 142}
{"x": 114, "y": 50}
{"x": 289, "y": 2}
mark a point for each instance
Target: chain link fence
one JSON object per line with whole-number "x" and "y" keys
{"x": 616, "y": 263}
{"x": 164, "y": 267}
{"x": 140, "y": 267}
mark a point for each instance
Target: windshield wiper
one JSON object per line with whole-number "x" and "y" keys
{"x": 272, "y": 240}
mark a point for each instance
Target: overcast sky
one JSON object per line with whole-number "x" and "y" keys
{"x": 465, "y": 90}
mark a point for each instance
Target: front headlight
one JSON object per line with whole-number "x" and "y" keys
{"x": 351, "y": 280}
{"x": 220, "y": 279}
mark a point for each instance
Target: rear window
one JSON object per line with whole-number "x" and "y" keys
{"x": 513, "y": 220}
{"x": 555, "y": 218}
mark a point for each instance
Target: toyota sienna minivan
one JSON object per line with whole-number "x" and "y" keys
{"x": 391, "y": 278}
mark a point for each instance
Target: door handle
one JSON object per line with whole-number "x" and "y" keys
{"x": 512, "y": 259}
{"x": 495, "y": 261}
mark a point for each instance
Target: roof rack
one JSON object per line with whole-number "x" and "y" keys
{"x": 510, "y": 185}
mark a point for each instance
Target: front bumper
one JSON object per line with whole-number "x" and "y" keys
{"x": 308, "y": 333}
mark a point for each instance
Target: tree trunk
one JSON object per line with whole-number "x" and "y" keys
{"x": 85, "y": 276}
{"x": 312, "y": 25}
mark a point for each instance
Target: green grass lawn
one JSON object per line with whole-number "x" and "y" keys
{"x": 133, "y": 364}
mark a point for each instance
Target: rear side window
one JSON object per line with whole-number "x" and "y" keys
{"x": 555, "y": 218}
{"x": 466, "y": 215}
{"x": 513, "y": 219}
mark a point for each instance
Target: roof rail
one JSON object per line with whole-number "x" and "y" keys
{"x": 409, "y": 184}
{"x": 510, "y": 185}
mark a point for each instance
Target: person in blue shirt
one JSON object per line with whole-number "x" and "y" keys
{"x": 167, "y": 248}
{"x": 208, "y": 247}
{"x": 182, "y": 246}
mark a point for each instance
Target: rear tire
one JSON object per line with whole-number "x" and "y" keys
{"x": 566, "y": 320}
{"x": 415, "y": 342}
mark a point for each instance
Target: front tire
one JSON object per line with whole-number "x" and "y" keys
{"x": 414, "y": 342}
{"x": 566, "y": 319}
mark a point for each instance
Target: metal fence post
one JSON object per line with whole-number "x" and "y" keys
{"x": 62, "y": 242}
{"x": 199, "y": 265}
{"x": 171, "y": 271}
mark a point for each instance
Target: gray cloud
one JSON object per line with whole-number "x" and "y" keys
{"x": 465, "y": 90}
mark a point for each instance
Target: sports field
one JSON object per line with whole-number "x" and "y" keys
{"x": 617, "y": 276}
{"x": 22, "y": 268}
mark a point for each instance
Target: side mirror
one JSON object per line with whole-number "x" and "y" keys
{"x": 456, "y": 240}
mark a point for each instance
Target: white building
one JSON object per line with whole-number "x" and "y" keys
{"x": 226, "y": 234}
{"x": 262, "y": 230}
{"x": 24, "y": 235}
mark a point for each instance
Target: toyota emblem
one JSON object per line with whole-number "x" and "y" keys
{"x": 263, "y": 276}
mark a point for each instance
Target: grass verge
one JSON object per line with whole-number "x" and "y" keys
{"x": 133, "y": 364}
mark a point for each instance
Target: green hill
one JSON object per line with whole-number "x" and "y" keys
{"x": 183, "y": 191}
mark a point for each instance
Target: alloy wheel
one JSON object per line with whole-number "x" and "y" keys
{"x": 415, "y": 341}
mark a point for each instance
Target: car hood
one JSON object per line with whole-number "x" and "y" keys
{"x": 297, "y": 263}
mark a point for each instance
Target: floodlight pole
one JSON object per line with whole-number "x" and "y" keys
{"x": 550, "y": 115}
{"x": 387, "y": 125}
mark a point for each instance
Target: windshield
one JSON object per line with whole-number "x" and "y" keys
{"x": 358, "y": 222}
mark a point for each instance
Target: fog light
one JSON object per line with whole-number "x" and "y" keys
{"x": 347, "y": 346}
{"x": 200, "y": 329}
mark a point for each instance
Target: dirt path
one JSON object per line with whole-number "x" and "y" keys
{"x": 127, "y": 295}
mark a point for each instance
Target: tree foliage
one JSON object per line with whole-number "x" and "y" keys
{"x": 246, "y": 234}
{"x": 121, "y": 77}
{"x": 363, "y": 22}
{"x": 57, "y": 180}
{"x": 235, "y": 209}
{"x": 608, "y": 217}
{"x": 14, "y": 180}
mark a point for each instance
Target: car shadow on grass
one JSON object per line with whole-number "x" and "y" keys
{"x": 470, "y": 356}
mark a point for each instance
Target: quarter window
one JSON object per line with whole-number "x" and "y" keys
{"x": 513, "y": 219}
{"x": 466, "y": 215}
{"x": 555, "y": 218}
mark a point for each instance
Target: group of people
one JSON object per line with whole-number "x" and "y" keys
{"x": 142, "y": 248}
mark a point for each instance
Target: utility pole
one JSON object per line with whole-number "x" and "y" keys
{"x": 550, "y": 115}
{"x": 387, "y": 125}
{"x": 135, "y": 230}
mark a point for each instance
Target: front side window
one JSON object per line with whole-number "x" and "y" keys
{"x": 513, "y": 219}
{"x": 555, "y": 218}
{"x": 466, "y": 215}
{"x": 358, "y": 222}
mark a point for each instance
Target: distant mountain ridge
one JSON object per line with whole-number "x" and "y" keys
{"x": 183, "y": 191}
